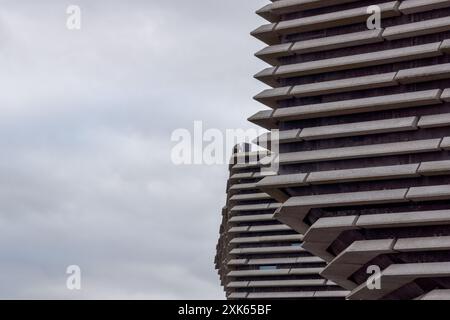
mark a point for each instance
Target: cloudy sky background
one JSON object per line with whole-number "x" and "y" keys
{"x": 85, "y": 123}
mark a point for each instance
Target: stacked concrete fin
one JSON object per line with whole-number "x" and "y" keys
{"x": 365, "y": 138}
{"x": 259, "y": 257}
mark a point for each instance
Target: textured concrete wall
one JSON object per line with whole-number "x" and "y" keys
{"x": 365, "y": 165}
{"x": 259, "y": 257}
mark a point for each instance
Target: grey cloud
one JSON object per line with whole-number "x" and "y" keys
{"x": 86, "y": 117}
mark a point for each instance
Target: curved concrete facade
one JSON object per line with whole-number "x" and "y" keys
{"x": 365, "y": 163}
{"x": 259, "y": 257}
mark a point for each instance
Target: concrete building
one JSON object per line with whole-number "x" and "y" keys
{"x": 259, "y": 257}
{"x": 364, "y": 157}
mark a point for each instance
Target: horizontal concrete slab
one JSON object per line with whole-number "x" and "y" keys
{"x": 414, "y": 6}
{"x": 250, "y": 218}
{"x": 250, "y": 197}
{"x": 350, "y": 62}
{"x": 434, "y": 121}
{"x": 337, "y": 42}
{"x": 267, "y": 250}
{"x": 435, "y": 295}
{"x": 396, "y": 101}
{"x": 434, "y": 168}
{"x": 288, "y": 283}
{"x": 347, "y": 199}
{"x": 429, "y": 73}
{"x": 374, "y": 173}
{"x": 445, "y": 143}
{"x": 269, "y": 228}
{"x": 376, "y": 150}
{"x": 271, "y": 54}
{"x": 423, "y": 244}
{"x": 265, "y": 239}
{"x": 345, "y": 85}
{"x": 405, "y": 219}
{"x": 429, "y": 193}
{"x": 416, "y": 29}
{"x": 359, "y": 128}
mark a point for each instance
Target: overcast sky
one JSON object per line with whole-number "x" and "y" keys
{"x": 86, "y": 117}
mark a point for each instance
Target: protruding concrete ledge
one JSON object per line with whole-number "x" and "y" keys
{"x": 287, "y": 6}
{"x": 337, "y": 42}
{"x": 429, "y": 193}
{"x": 244, "y": 166}
{"x": 294, "y": 210}
{"x": 276, "y": 272}
{"x": 269, "y": 228}
{"x": 285, "y": 136}
{"x": 376, "y": 150}
{"x": 259, "y": 273}
{"x": 270, "y": 97}
{"x": 272, "y": 12}
{"x": 267, "y": 13}
{"x": 326, "y": 230}
{"x": 303, "y": 271}
{"x": 270, "y": 54}
{"x": 267, "y": 33}
{"x": 414, "y": 6}
{"x": 434, "y": 121}
{"x": 270, "y": 75}
{"x": 237, "y": 284}
{"x": 250, "y": 197}
{"x": 278, "y": 283}
{"x": 363, "y": 174}
{"x": 238, "y": 229}
{"x": 331, "y": 294}
{"x": 255, "y": 207}
{"x": 380, "y": 103}
{"x": 281, "y": 295}
{"x": 299, "y": 295}
{"x": 398, "y": 275}
{"x": 446, "y": 143}
{"x": 359, "y": 128}
{"x": 403, "y": 220}
{"x": 288, "y": 283}
{"x": 244, "y": 175}
{"x": 435, "y": 295}
{"x": 429, "y": 73}
{"x": 350, "y": 130}
{"x": 446, "y": 95}
{"x": 265, "y": 239}
{"x": 422, "y": 244}
{"x": 259, "y": 229}
{"x": 345, "y": 85}
{"x": 271, "y": 184}
{"x": 434, "y": 168}
{"x": 251, "y": 218}
{"x": 286, "y": 260}
{"x": 353, "y": 258}
{"x": 274, "y": 185}
{"x": 238, "y": 295}
{"x": 264, "y": 119}
{"x": 416, "y": 29}
{"x": 235, "y": 262}
{"x": 243, "y": 186}
{"x": 267, "y": 250}
{"x": 322, "y": 233}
